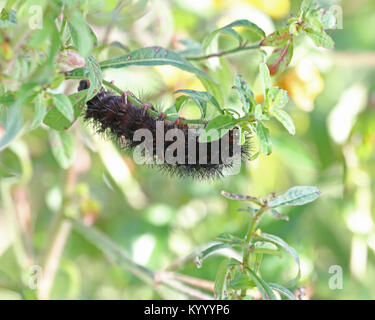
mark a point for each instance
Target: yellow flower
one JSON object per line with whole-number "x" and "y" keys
{"x": 274, "y": 8}
{"x": 179, "y": 79}
{"x": 303, "y": 83}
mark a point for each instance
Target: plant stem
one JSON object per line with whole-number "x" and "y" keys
{"x": 152, "y": 112}
{"x": 59, "y": 234}
{"x": 249, "y": 236}
{"x": 223, "y": 53}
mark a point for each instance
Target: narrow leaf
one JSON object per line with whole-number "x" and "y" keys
{"x": 285, "y": 119}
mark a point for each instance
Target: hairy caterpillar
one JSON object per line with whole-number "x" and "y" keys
{"x": 124, "y": 120}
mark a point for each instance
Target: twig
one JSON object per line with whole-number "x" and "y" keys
{"x": 59, "y": 234}
{"x": 122, "y": 258}
{"x": 223, "y": 53}
{"x": 139, "y": 103}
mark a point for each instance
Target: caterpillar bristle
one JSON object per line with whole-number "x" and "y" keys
{"x": 120, "y": 119}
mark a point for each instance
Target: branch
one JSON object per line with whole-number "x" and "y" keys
{"x": 122, "y": 258}
{"x": 152, "y": 112}
{"x": 224, "y": 53}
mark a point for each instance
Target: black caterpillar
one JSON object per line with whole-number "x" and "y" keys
{"x": 121, "y": 118}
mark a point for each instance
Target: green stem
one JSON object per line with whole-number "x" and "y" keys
{"x": 223, "y": 53}
{"x": 152, "y": 112}
{"x": 249, "y": 236}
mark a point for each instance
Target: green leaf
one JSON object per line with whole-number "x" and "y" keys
{"x": 285, "y": 119}
{"x": 265, "y": 76}
{"x": 62, "y": 145}
{"x": 57, "y": 121}
{"x": 217, "y": 128}
{"x": 245, "y": 94}
{"x": 278, "y": 38}
{"x": 265, "y": 247}
{"x": 180, "y": 101}
{"x": 307, "y": 5}
{"x": 228, "y": 29}
{"x": 217, "y": 92}
{"x": 296, "y": 196}
{"x": 264, "y": 138}
{"x": 230, "y": 239}
{"x": 241, "y": 281}
{"x": 40, "y": 111}
{"x": 264, "y": 288}
{"x": 239, "y": 197}
{"x": 8, "y": 18}
{"x": 284, "y": 291}
{"x": 201, "y": 98}
{"x": 64, "y": 106}
{"x": 276, "y": 98}
{"x": 220, "y": 280}
{"x": 281, "y": 57}
{"x": 95, "y": 77}
{"x": 277, "y": 215}
{"x": 280, "y": 242}
{"x": 208, "y": 252}
{"x": 81, "y": 33}
{"x": 150, "y": 56}
{"x": 320, "y": 38}
{"x": 11, "y": 122}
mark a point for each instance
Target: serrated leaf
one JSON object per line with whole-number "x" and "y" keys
{"x": 280, "y": 242}
{"x": 265, "y": 247}
{"x": 285, "y": 119}
{"x": 264, "y": 138}
{"x": 64, "y": 106}
{"x": 220, "y": 280}
{"x": 62, "y": 146}
{"x": 264, "y": 288}
{"x": 150, "y": 56}
{"x": 296, "y": 196}
{"x": 245, "y": 94}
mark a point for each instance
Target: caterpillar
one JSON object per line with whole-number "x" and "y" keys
{"x": 180, "y": 155}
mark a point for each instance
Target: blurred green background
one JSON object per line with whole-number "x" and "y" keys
{"x": 159, "y": 219}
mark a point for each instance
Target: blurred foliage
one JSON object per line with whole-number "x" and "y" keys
{"x": 158, "y": 219}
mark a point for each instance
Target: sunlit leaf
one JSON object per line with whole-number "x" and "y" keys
{"x": 296, "y": 196}
{"x": 285, "y": 120}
